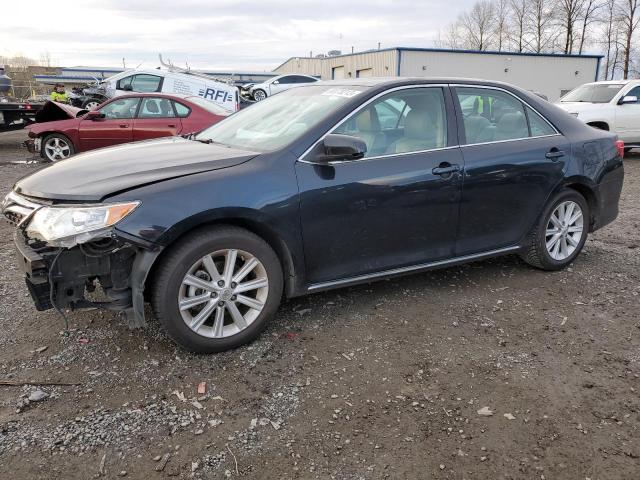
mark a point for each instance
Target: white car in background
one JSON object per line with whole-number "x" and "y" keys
{"x": 613, "y": 105}
{"x": 274, "y": 85}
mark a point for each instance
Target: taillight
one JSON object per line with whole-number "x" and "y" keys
{"x": 620, "y": 148}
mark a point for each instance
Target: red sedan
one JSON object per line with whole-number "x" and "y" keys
{"x": 62, "y": 130}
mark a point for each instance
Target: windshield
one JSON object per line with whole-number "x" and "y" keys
{"x": 273, "y": 123}
{"x": 593, "y": 93}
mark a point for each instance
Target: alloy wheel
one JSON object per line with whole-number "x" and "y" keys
{"x": 91, "y": 105}
{"x": 564, "y": 230}
{"x": 223, "y": 293}
{"x": 57, "y": 148}
{"x": 259, "y": 95}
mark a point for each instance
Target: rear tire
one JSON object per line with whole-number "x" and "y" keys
{"x": 224, "y": 312}
{"x": 259, "y": 95}
{"x": 559, "y": 235}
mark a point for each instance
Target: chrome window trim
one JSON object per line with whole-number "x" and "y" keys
{"x": 378, "y": 157}
{"x": 361, "y": 107}
{"x": 489, "y": 87}
{"x": 411, "y": 268}
{"x": 510, "y": 140}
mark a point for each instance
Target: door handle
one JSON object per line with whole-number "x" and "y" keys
{"x": 446, "y": 169}
{"x": 554, "y": 153}
{"x": 124, "y": 125}
{"x": 172, "y": 125}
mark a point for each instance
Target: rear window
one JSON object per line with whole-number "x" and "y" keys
{"x": 208, "y": 106}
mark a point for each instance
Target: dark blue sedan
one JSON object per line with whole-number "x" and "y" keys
{"x": 318, "y": 187}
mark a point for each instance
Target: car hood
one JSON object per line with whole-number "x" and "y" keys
{"x": 579, "y": 106}
{"x": 52, "y": 111}
{"x": 92, "y": 176}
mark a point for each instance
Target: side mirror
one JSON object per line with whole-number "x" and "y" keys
{"x": 94, "y": 115}
{"x": 628, "y": 99}
{"x": 276, "y": 82}
{"x": 127, "y": 88}
{"x": 338, "y": 148}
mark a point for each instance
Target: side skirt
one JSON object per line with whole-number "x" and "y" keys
{"x": 370, "y": 277}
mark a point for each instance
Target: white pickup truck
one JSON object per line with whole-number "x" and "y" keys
{"x": 612, "y": 105}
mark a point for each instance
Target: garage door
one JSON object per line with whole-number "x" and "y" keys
{"x": 337, "y": 73}
{"x": 365, "y": 72}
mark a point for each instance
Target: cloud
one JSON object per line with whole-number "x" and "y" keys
{"x": 223, "y": 34}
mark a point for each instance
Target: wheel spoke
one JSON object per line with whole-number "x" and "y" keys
{"x": 555, "y": 220}
{"x": 553, "y": 242}
{"x": 575, "y": 217}
{"x": 572, "y": 241}
{"x": 250, "y": 302}
{"x": 202, "y": 317}
{"x": 194, "y": 281}
{"x": 210, "y": 267}
{"x": 552, "y": 231}
{"x": 555, "y": 249}
{"x": 564, "y": 248}
{"x": 568, "y": 212}
{"x": 218, "y": 323}
{"x": 574, "y": 229}
{"x": 245, "y": 270}
{"x": 229, "y": 266}
{"x": 191, "y": 302}
{"x": 238, "y": 319}
{"x": 252, "y": 285}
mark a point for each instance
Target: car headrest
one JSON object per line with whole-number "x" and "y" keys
{"x": 152, "y": 106}
{"x": 368, "y": 121}
{"x": 418, "y": 124}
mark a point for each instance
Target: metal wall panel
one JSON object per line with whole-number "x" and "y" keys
{"x": 548, "y": 75}
{"x": 383, "y": 63}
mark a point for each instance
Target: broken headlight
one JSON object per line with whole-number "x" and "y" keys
{"x": 69, "y": 225}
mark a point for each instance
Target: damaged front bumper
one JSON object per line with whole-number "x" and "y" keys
{"x": 67, "y": 277}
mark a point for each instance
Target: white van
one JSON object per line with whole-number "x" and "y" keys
{"x": 163, "y": 81}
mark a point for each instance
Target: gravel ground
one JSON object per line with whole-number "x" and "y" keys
{"x": 491, "y": 370}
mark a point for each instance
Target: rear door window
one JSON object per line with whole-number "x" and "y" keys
{"x": 493, "y": 115}
{"x": 156, "y": 108}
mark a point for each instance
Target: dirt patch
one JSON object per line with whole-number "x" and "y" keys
{"x": 376, "y": 381}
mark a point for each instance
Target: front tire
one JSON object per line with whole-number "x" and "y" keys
{"x": 560, "y": 233}
{"x": 56, "y": 147}
{"x": 91, "y": 103}
{"x": 217, "y": 289}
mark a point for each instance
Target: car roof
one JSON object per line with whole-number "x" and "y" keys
{"x": 390, "y": 82}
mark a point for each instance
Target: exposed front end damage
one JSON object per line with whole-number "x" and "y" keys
{"x": 105, "y": 272}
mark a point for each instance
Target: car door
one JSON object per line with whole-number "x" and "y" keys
{"x": 115, "y": 126}
{"x": 156, "y": 118}
{"x": 627, "y": 118}
{"x": 394, "y": 208}
{"x": 513, "y": 159}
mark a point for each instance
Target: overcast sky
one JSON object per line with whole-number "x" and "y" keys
{"x": 221, "y": 34}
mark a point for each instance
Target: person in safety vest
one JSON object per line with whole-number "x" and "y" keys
{"x": 59, "y": 94}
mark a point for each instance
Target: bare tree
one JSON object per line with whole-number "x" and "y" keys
{"x": 540, "y": 23}
{"x": 628, "y": 10}
{"x": 476, "y": 26}
{"x": 501, "y": 31}
{"x": 519, "y": 13}
{"x": 590, "y": 9}
{"x": 569, "y": 12}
